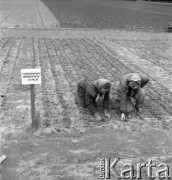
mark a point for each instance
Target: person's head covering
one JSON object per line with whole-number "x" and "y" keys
{"x": 90, "y": 87}
{"x": 102, "y": 84}
{"x": 135, "y": 79}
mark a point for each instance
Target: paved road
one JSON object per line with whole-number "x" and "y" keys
{"x": 111, "y": 14}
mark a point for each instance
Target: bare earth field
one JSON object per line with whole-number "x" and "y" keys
{"x": 129, "y": 15}
{"x": 70, "y": 142}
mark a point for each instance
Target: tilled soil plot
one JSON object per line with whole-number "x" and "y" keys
{"x": 63, "y": 62}
{"x": 112, "y": 14}
{"x": 70, "y": 141}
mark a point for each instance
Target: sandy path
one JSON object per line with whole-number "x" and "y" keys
{"x": 26, "y": 14}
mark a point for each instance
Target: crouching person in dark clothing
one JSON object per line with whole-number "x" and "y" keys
{"x": 130, "y": 93}
{"x": 88, "y": 94}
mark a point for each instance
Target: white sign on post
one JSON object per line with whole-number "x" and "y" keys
{"x": 31, "y": 76}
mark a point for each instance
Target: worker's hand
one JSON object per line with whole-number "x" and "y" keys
{"x": 98, "y": 117}
{"x": 139, "y": 110}
{"x": 100, "y": 98}
{"x": 122, "y": 117}
{"x": 107, "y": 114}
{"x": 133, "y": 101}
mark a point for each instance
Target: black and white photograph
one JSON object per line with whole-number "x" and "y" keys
{"x": 85, "y": 89}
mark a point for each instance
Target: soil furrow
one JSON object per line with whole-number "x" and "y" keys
{"x": 8, "y": 65}
{"x": 3, "y": 43}
{"x": 91, "y": 58}
{"x": 82, "y": 62}
{"x": 5, "y": 52}
{"x": 12, "y": 63}
{"x": 20, "y": 103}
{"x": 74, "y": 58}
{"x": 8, "y": 77}
{"x": 101, "y": 61}
{"x": 152, "y": 54}
{"x": 98, "y": 61}
{"x": 2, "y": 40}
{"x": 51, "y": 105}
{"x": 154, "y": 47}
{"x": 63, "y": 90}
{"x": 35, "y": 61}
{"x": 25, "y": 58}
{"x": 67, "y": 60}
{"x": 67, "y": 63}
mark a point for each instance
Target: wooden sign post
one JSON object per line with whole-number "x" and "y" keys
{"x": 32, "y": 92}
{"x": 32, "y": 77}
